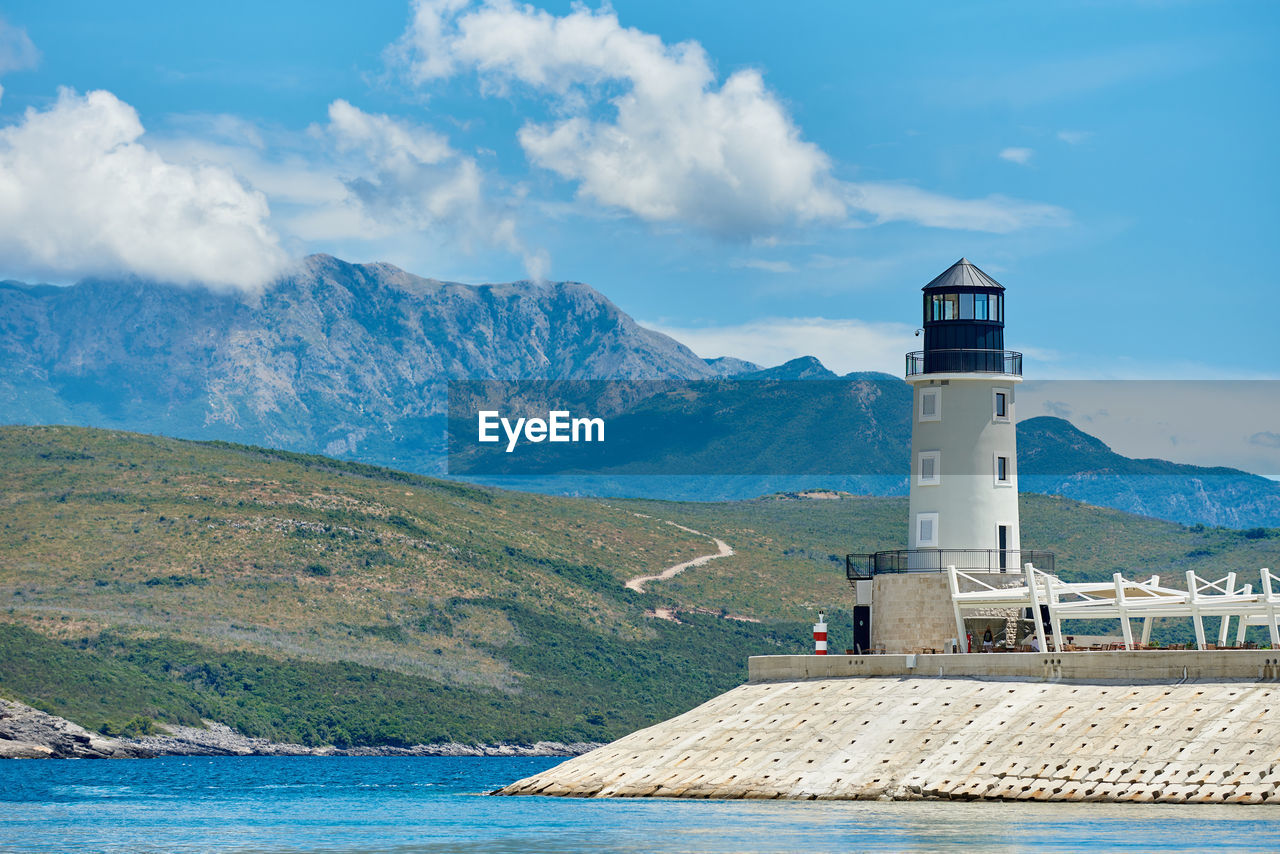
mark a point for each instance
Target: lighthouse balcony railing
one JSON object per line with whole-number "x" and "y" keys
{"x": 964, "y": 362}
{"x": 860, "y": 567}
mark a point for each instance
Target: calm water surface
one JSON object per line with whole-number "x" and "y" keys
{"x": 357, "y": 804}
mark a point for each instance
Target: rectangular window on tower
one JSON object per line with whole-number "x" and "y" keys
{"x": 930, "y": 404}
{"x": 1002, "y": 471}
{"x": 926, "y": 530}
{"x": 929, "y": 472}
{"x": 1001, "y": 404}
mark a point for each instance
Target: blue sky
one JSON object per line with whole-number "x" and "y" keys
{"x": 760, "y": 179}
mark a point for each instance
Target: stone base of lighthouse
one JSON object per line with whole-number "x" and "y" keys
{"x": 911, "y": 611}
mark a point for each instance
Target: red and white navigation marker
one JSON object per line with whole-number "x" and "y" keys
{"x": 820, "y": 635}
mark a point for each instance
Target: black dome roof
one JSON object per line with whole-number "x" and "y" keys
{"x": 962, "y": 274}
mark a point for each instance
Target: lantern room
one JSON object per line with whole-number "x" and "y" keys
{"x": 964, "y": 325}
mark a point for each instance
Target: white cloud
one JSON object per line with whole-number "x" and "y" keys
{"x": 17, "y": 52}
{"x": 764, "y": 264}
{"x": 426, "y": 44}
{"x": 363, "y": 183}
{"x": 79, "y": 194}
{"x": 289, "y": 170}
{"x": 220, "y": 127}
{"x": 994, "y": 213}
{"x": 678, "y": 146}
{"x": 1062, "y": 77}
{"x": 408, "y": 176}
{"x": 647, "y": 128}
{"x": 1021, "y": 156}
{"x": 1265, "y": 438}
{"x": 841, "y": 345}
{"x": 1074, "y": 137}
{"x": 395, "y": 146}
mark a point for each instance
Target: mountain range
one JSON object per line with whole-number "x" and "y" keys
{"x": 353, "y": 360}
{"x": 344, "y": 359}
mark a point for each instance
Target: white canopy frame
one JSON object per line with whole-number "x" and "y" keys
{"x": 1125, "y": 600}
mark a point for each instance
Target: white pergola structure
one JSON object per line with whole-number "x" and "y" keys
{"x": 1125, "y": 600}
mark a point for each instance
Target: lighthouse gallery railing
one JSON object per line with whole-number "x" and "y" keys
{"x": 964, "y": 362}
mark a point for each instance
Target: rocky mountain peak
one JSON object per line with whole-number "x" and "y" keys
{"x": 334, "y": 357}
{"x": 802, "y": 368}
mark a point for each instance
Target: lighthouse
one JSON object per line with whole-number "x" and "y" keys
{"x": 964, "y": 477}
{"x": 963, "y": 509}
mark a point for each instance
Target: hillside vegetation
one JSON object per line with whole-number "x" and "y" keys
{"x": 302, "y": 598}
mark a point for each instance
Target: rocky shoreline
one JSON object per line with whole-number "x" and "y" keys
{"x": 27, "y": 733}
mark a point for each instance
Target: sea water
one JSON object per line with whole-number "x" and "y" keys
{"x": 400, "y": 804}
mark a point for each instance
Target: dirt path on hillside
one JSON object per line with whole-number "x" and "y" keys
{"x": 723, "y": 550}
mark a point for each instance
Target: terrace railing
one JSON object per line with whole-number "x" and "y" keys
{"x": 860, "y": 567}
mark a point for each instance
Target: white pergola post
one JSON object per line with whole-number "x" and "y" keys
{"x": 1242, "y": 625}
{"x": 1226, "y": 618}
{"x": 1271, "y": 609}
{"x": 1125, "y": 628}
{"x": 962, "y": 644}
{"x": 1147, "y": 623}
{"x": 1193, "y": 599}
{"x": 1030, "y": 571}
{"x": 1051, "y": 582}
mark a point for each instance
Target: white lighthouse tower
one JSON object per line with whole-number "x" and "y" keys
{"x": 963, "y": 511}
{"x": 964, "y": 472}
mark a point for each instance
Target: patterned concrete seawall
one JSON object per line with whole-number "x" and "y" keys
{"x": 1106, "y": 726}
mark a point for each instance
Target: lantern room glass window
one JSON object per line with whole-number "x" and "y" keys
{"x": 966, "y": 307}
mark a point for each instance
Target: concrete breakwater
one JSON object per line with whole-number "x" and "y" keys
{"x": 1092, "y": 726}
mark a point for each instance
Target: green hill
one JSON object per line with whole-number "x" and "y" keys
{"x": 307, "y": 599}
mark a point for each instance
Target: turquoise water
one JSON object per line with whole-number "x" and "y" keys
{"x": 357, "y": 804}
